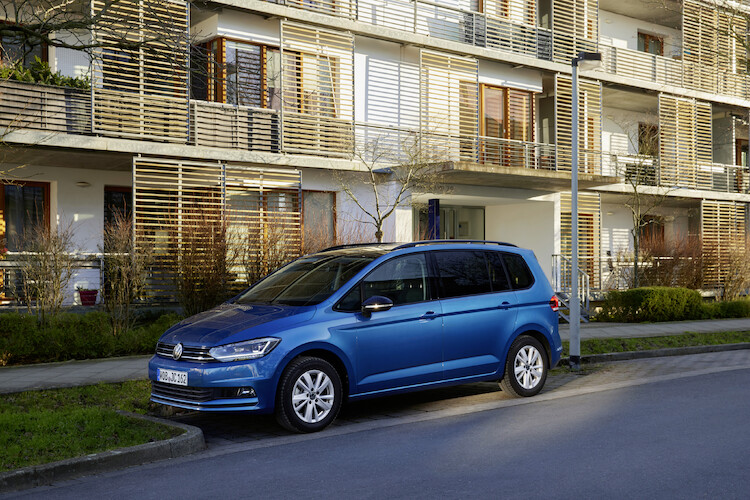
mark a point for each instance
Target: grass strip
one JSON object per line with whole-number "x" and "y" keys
{"x": 604, "y": 346}
{"x": 45, "y": 426}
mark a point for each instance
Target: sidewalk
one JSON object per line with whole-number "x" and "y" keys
{"x": 75, "y": 373}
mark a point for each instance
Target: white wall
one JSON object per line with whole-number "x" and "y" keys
{"x": 243, "y": 26}
{"x": 621, "y": 31}
{"x": 495, "y": 73}
{"x": 528, "y": 225}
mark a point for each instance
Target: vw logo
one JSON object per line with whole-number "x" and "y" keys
{"x": 177, "y": 351}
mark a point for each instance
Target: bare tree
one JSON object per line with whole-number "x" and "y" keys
{"x": 46, "y": 268}
{"x": 124, "y": 270}
{"x": 393, "y": 171}
{"x": 28, "y": 24}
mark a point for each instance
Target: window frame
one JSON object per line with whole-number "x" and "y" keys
{"x": 46, "y": 201}
{"x": 506, "y": 112}
{"x": 649, "y": 38}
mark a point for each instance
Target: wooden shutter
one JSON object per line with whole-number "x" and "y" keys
{"x": 448, "y": 103}
{"x": 685, "y": 143}
{"x": 723, "y": 231}
{"x": 589, "y": 124}
{"x": 575, "y": 28}
{"x": 317, "y": 78}
{"x": 143, "y": 91}
{"x": 589, "y": 236}
{"x": 184, "y": 204}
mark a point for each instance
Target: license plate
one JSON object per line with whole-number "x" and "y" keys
{"x": 171, "y": 376}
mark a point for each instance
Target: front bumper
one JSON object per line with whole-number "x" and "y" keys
{"x": 210, "y": 385}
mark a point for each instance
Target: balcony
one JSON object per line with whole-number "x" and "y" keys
{"x": 43, "y": 107}
{"x": 661, "y": 70}
{"x": 716, "y": 177}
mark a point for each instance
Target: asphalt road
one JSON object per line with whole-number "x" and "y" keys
{"x": 682, "y": 438}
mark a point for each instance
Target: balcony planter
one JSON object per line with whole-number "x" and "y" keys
{"x": 88, "y": 297}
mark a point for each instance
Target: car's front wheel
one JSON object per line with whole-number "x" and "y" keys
{"x": 525, "y": 368}
{"x": 309, "y": 396}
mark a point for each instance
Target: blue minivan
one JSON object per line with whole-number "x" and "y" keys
{"x": 360, "y": 321}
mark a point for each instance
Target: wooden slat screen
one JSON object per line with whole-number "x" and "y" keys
{"x": 181, "y": 206}
{"x": 317, "y": 90}
{"x": 575, "y": 28}
{"x": 449, "y": 98}
{"x": 141, "y": 91}
{"x": 685, "y": 142}
{"x": 714, "y": 50}
{"x": 589, "y": 124}
{"x": 723, "y": 232}
{"x": 589, "y": 236}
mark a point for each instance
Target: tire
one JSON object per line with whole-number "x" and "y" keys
{"x": 525, "y": 368}
{"x": 309, "y": 395}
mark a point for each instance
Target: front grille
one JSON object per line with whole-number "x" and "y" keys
{"x": 188, "y": 353}
{"x": 182, "y": 393}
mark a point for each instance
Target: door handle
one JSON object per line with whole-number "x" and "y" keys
{"x": 505, "y": 305}
{"x": 428, "y": 315}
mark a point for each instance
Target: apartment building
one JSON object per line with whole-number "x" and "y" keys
{"x": 249, "y": 109}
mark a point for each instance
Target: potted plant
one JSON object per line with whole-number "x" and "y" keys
{"x": 87, "y": 295}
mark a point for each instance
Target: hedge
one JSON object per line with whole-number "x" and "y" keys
{"x": 73, "y": 336}
{"x": 666, "y": 304}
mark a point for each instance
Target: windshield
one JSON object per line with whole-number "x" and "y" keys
{"x": 307, "y": 281}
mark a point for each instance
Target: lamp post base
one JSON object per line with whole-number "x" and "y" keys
{"x": 575, "y": 363}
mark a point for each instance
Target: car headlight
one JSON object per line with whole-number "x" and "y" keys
{"x": 250, "y": 349}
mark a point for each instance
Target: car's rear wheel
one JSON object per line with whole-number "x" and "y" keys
{"x": 309, "y": 396}
{"x": 525, "y": 367}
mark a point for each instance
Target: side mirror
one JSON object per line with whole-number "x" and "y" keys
{"x": 376, "y": 303}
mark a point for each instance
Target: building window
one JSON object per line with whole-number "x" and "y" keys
{"x": 507, "y": 113}
{"x": 247, "y": 74}
{"x": 15, "y": 49}
{"x": 651, "y": 234}
{"x": 651, "y": 44}
{"x": 319, "y": 219}
{"x": 25, "y": 206}
{"x": 118, "y": 200}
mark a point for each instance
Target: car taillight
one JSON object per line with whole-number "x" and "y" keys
{"x": 554, "y": 303}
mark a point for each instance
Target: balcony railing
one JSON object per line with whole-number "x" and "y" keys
{"x": 662, "y": 70}
{"x": 44, "y": 107}
{"x": 646, "y": 171}
{"x": 236, "y": 127}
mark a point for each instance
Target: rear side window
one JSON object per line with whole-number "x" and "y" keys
{"x": 520, "y": 275}
{"x": 462, "y": 273}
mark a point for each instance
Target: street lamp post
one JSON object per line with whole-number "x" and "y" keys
{"x": 584, "y": 60}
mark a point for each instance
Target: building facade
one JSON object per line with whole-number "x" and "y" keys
{"x": 253, "y": 112}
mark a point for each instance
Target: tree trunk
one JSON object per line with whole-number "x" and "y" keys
{"x": 636, "y": 254}
{"x": 378, "y": 234}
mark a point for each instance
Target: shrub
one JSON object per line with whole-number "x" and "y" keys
{"x": 651, "y": 304}
{"x": 40, "y": 72}
{"x": 727, "y": 309}
{"x": 73, "y": 336}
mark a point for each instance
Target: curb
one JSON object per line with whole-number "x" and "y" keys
{"x": 658, "y": 353}
{"x": 186, "y": 443}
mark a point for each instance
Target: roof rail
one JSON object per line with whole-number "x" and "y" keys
{"x": 448, "y": 242}
{"x": 353, "y": 245}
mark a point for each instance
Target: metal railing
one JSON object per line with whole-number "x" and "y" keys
{"x": 562, "y": 268}
{"x": 648, "y": 171}
{"x": 673, "y": 71}
{"x": 86, "y": 272}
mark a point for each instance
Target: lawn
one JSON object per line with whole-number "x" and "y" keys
{"x": 604, "y": 346}
{"x": 50, "y": 425}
